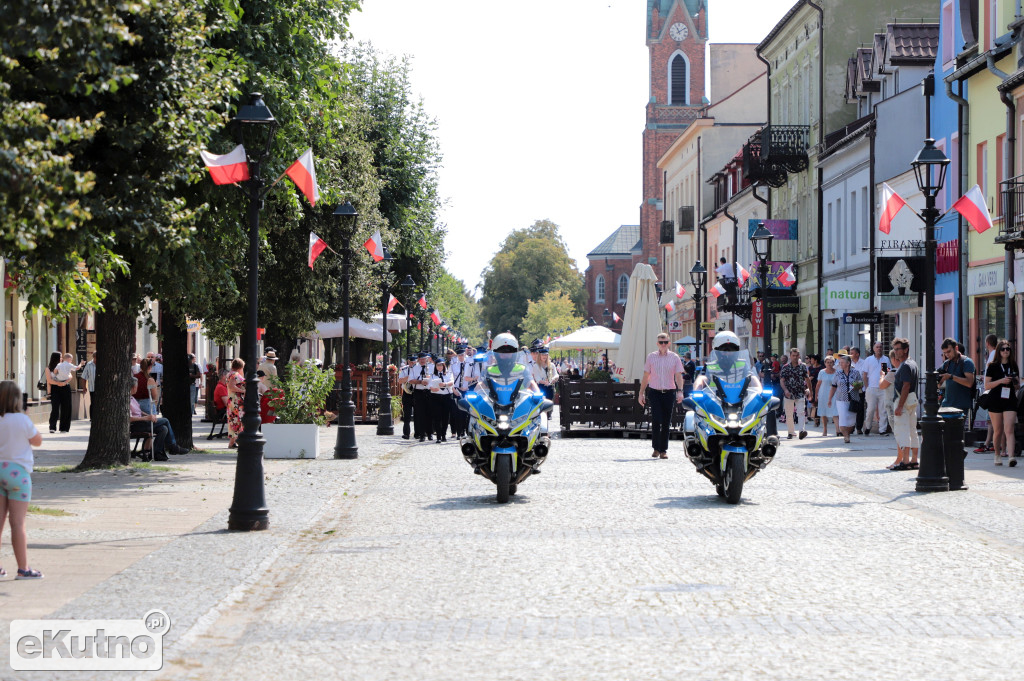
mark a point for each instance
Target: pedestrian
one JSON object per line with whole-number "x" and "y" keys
{"x": 1002, "y": 378}
{"x": 58, "y": 380}
{"x": 858, "y": 363}
{"x": 689, "y": 373}
{"x": 465, "y": 372}
{"x": 871, "y": 368}
{"x": 888, "y": 379}
{"x": 269, "y": 364}
{"x": 957, "y": 376}
{"x": 727, "y": 277}
{"x": 814, "y": 370}
{"x": 908, "y": 442}
{"x": 423, "y": 420}
{"x": 145, "y": 390}
{"x": 407, "y": 399}
{"x": 663, "y": 380}
{"x": 18, "y": 435}
{"x": 846, "y": 393}
{"x": 89, "y": 376}
{"x": 195, "y": 377}
{"x": 827, "y": 411}
{"x": 235, "y": 383}
{"x": 544, "y": 373}
{"x": 441, "y": 385}
{"x": 796, "y": 386}
{"x": 991, "y": 341}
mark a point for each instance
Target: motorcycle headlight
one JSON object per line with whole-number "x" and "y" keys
{"x": 503, "y": 423}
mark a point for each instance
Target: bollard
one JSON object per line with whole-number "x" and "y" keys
{"x": 953, "y": 446}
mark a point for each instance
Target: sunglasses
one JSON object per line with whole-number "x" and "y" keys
{"x": 1005, "y": 350}
{"x": 662, "y": 342}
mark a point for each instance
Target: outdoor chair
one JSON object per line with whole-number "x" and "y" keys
{"x": 142, "y": 431}
{"x": 220, "y": 418}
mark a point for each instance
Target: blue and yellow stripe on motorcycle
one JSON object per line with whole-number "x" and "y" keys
{"x": 733, "y": 449}
{"x": 504, "y": 450}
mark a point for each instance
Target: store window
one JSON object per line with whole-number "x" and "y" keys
{"x": 991, "y": 319}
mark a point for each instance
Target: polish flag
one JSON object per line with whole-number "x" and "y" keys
{"x": 616, "y": 318}
{"x": 717, "y": 290}
{"x": 787, "y": 278}
{"x": 891, "y": 204}
{"x": 680, "y": 291}
{"x": 230, "y": 168}
{"x": 375, "y": 247}
{"x": 392, "y": 301}
{"x": 974, "y": 208}
{"x": 303, "y": 175}
{"x": 744, "y": 275}
{"x": 316, "y": 247}
{"x": 419, "y": 326}
{"x": 670, "y": 306}
{"x": 434, "y": 317}
{"x": 423, "y": 301}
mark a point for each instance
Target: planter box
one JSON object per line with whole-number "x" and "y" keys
{"x": 291, "y": 440}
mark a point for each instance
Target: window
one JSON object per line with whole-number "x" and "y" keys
{"x": 854, "y": 227}
{"x": 828, "y": 233}
{"x": 866, "y": 225}
{"x": 993, "y": 23}
{"x": 948, "y": 33}
{"x": 599, "y": 289}
{"x": 678, "y": 80}
{"x": 623, "y": 288}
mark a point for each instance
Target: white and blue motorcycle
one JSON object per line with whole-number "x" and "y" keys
{"x": 507, "y": 439}
{"x": 726, "y": 427}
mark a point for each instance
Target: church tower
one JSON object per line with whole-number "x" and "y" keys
{"x": 677, "y": 33}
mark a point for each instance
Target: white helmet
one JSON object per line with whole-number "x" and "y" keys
{"x": 725, "y": 338}
{"x": 505, "y": 342}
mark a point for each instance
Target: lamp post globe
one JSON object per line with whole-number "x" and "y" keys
{"x": 254, "y": 127}
{"x": 930, "y": 172}
{"x": 761, "y": 240}
{"x": 345, "y": 445}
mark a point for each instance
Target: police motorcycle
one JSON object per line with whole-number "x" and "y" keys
{"x": 505, "y": 441}
{"x": 726, "y": 429}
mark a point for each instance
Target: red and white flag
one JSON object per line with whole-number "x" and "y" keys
{"x": 744, "y": 275}
{"x": 717, "y": 290}
{"x": 392, "y": 301}
{"x": 680, "y": 291}
{"x": 423, "y": 301}
{"x": 670, "y": 306}
{"x": 616, "y": 318}
{"x": 316, "y": 247}
{"x": 787, "y": 278}
{"x": 434, "y": 317}
{"x": 375, "y": 247}
{"x": 891, "y": 204}
{"x": 230, "y": 168}
{"x": 974, "y": 208}
{"x": 303, "y": 175}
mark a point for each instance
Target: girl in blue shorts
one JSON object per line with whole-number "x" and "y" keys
{"x": 18, "y": 435}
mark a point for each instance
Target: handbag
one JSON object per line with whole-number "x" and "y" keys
{"x": 42, "y": 381}
{"x": 984, "y": 400}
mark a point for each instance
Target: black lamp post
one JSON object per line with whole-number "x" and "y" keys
{"x": 930, "y": 171}
{"x": 255, "y": 127}
{"x": 345, "y": 445}
{"x": 385, "y": 424}
{"x": 761, "y": 240}
{"x": 698, "y": 277}
{"x": 408, "y": 284}
{"x": 658, "y": 291}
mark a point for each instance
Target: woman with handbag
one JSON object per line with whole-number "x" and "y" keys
{"x": 1002, "y": 378}
{"x": 904, "y": 423}
{"x": 845, "y": 394}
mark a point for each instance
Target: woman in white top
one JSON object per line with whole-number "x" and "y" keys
{"x": 441, "y": 385}
{"x": 18, "y": 436}
{"x": 544, "y": 373}
{"x": 58, "y": 379}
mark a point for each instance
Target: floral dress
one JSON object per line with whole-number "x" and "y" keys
{"x": 236, "y": 399}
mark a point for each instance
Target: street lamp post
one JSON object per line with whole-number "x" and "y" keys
{"x": 930, "y": 171}
{"x": 408, "y": 284}
{"x": 345, "y": 445}
{"x": 698, "y": 277}
{"x": 385, "y": 424}
{"x": 255, "y": 127}
{"x": 761, "y": 240}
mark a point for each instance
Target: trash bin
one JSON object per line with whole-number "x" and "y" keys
{"x": 953, "y": 446}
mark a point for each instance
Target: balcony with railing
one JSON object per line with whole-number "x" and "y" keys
{"x": 1011, "y": 232}
{"x": 786, "y": 145}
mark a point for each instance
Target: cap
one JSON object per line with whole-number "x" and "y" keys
{"x": 543, "y": 350}
{"x": 421, "y": 355}
{"x": 411, "y": 358}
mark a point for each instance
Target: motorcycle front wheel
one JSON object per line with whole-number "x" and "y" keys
{"x": 732, "y": 479}
{"x": 503, "y": 477}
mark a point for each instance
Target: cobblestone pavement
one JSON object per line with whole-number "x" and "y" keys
{"x": 610, "y": 565}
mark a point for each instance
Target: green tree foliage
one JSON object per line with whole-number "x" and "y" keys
{"x": 456, "y": 306}
{"x": 530, "y": 263}
{"x": 551, "y": 314}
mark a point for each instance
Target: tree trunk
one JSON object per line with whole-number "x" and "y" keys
{"x": 177, "y": 408}
{"x": 108, "y": 435}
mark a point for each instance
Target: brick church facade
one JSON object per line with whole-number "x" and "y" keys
{"x": 677, "y": 33}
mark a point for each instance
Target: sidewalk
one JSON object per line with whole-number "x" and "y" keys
{"x": 112, "y": 523}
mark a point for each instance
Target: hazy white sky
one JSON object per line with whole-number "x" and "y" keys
{"x": 540, "y": 107}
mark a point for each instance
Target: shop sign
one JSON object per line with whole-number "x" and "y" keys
{"x": 193, "y": 325}
{"x": 845, "y": 294}
{"x": 757, "y": 319}
{"x": 1018, "y": 274}
{"x": 985, "y": 280}
{"x": 901, "y": 276}
{"x": 675, "y": 326}
{"x": 775, "y": 270}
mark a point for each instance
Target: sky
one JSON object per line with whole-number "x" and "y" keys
{"x": 540, "y": 109}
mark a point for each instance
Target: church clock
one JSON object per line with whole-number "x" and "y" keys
{"x": 678, "y": 31}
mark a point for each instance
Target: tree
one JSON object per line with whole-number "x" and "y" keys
{"x": 456, "y": 306}
{"x": 553, "y": 312}
{"x": 530, "y": 263}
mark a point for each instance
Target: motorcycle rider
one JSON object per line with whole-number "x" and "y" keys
{"x": 727, "y": 341}
{"x": 506, "y": 351}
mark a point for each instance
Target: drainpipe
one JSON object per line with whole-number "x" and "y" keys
{"x": 874, "y": 221}
{"x": 965, "y": 128}
{"x": 1010, "y": 320}
{"x": 735, "y": 256}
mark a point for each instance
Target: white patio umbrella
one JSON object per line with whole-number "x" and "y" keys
{"x": 641, "y": 325}
{"x": 587, "y": 338}
{"x": 357, "y": 328}
{"x": 396, "y": 322}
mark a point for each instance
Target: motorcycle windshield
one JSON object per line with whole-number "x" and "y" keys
{"x": 729, "y": 371}
{"x": 505, "y": 372}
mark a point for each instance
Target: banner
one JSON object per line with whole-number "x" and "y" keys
{"x": 901, "y": 275}
{"x": 757, "y": 319}
{"x": 775, "y": 270}
{"x": 783, "y": 230}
